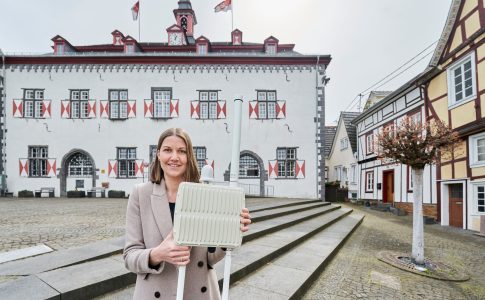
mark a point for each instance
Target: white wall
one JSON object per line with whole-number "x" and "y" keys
{"x": 100, "y": 137}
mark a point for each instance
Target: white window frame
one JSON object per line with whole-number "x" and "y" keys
{"x": 475, "y": 197}
{"x": 161, "y": 103}
{"x": 473, "y": 143}
{"x": 451, "y": 81}
{"x": 369, "y": 143}
{"x": 353, "y": 173}
{"x": 369, "y": 181}
{"x": 344, "y": 143}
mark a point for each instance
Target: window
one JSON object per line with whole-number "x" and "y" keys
{"x": 126, "y": 162}
{"x": 202, "y": 49}
{"x": 480, "y": 196}
{"x": 248, "y": 167}
{"x": 80, "y": 166}
{"x": 79, "y": 104}
{"x": 266, "y": 104}
{"x": 161, "y": 102}
{"x": 369, "y": 143}
{"x": 130, "y": 48}
{"x": 59, "y": 49}
{"x": 118, "y": 104}
{"x": 344, "y": 143}
{"x": 415, "y": 117}
{"x": 33, "y": 99}
{"x": 271, "y": 49}
{"x": 200, "y": 155}
{"x": 353, "y": 173}
{"x": 344, "y": 174}
{"x": 38, "y": 161}
{"x": 410, "y": 179}
{"x": 462, "y": 81}
{"x": 153, "y": 153}
{"x": 208, "y": 104}
{"x": 369, "y": 181}
{"x": 477, "y": 150}
{"x": 286, "y": 162}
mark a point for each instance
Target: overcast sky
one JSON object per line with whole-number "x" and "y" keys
{"x": 367, "y": 39}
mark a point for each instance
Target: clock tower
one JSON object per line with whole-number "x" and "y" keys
{"x": 185, "y": 18}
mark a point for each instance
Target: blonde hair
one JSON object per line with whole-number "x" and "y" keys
{"x": 192, "y": 171}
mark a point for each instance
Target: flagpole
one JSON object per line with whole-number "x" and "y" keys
{"x": 139, "y": 19}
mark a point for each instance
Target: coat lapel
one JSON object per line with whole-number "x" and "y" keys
{"x": 161, "y": 210}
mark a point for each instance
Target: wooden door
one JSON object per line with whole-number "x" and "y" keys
{"x": 455, "y": 192}
{"x": 388, "y": 187}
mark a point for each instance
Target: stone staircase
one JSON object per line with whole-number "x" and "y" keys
{"x": 287, "y": 247}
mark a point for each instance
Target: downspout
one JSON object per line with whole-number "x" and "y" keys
{"x": 317, "y": 136}
{"x": 3, "y": 98}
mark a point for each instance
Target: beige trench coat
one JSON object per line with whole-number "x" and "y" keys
{"x": 148, "y": 221}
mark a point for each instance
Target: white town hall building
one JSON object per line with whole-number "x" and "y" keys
{"x": 90, "y": 116}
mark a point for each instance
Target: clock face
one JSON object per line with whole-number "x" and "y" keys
{"x": 175, "y": 38}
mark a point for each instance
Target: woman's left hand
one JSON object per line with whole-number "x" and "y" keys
{"x": 245, "y": 219}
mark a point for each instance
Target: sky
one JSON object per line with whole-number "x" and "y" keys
{"x": 367, "y": 39}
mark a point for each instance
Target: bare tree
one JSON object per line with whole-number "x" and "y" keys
{"x": 416, "y": 144}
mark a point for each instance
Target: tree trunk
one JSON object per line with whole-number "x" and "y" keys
{"x": 418, "y": 233}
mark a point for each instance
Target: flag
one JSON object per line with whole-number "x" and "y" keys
{"x": 135, "y": 9}
{"x": 223, "y": 6}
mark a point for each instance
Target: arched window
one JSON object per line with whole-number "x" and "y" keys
{"x": 248, "y": 167}
{"x": 80, "y": 166}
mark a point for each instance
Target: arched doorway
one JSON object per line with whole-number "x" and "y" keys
{"x": 251, "y": 167}
{"x": 77, "y": 165}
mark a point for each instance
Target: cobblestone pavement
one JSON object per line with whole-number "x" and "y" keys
{"x": 59, "y": 222}
{"x": 355, "y": 272}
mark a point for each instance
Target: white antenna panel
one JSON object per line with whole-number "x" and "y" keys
{"x": 208, "y": 215}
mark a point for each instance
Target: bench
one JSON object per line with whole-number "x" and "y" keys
{"x": 45, "y": 192}
{"x": 96, "y": 192}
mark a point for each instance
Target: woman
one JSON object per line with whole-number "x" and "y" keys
{"x": 150, "y": 250}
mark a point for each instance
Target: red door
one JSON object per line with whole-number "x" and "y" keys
{"x": 388, "y": 187}
{"x": 456, "y": 204}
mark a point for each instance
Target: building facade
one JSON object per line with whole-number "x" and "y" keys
{"x": 456, "y": 95}
{"x": 90, "y": 116}
{"x": 389, "y": 182}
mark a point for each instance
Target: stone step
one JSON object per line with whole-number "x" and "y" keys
{"x": 290, "y": 275}
{"x": 282, "y": 211}
{"x": 62, "y": 258}
{"x": 262, "y": 228}
{"x": 255, "y": 253}
{"x": 273, "y": 205}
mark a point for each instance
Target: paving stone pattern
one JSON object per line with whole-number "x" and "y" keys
{"x": 355, "y": 272}
{"x": 59, "y": 223}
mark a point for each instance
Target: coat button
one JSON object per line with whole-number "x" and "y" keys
{"x": 203, "y": 289}
{"x": 157, "y": 294}
{"x": 200, "y": 264}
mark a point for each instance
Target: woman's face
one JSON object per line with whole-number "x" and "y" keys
{"x": 173, "y": 157}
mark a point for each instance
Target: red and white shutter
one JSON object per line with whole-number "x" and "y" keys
{"x": 104, "y": 109}
{"x": 273, "y": 169}
{"x": 148, "y": 108}
{"x": 18, "y": 108}
{"x": 131, "y": 108}
{"x": 65, "y": 109}
{"x": 253, "y": 109}
{"x": 221, "y": 109}
{"x": 195, "y": 109}
{"x": 46, "y": 109}
{"x": 300, "y": 169}
{"x": 174, "y": 108}
{"x": 280, "y": 109}
{"x": 112, "y": 168}
{"x": 24, "y": 167}
{"x": 92, "y": 109}
{"x": 51, "y": 167}
{"x": 139, "y": 166}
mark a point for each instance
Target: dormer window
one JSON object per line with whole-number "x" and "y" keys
{"x": 130, "y": 49}
{"x": 59, "y": 48}
{"x": 271, "y": 49}
{"x": 202, "y": 49}
{"x": 236, "y": 37}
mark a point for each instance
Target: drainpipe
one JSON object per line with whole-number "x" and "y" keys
{"x": 3, "y": 98}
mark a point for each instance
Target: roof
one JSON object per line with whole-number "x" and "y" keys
{"x": 445, "y": 35}
{"x": 351, "y": 129}
{"x": 375, "y": 97}
{"x": 329, "y": 134}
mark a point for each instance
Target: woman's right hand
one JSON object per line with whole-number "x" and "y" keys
{"x": 170, "y": 252}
